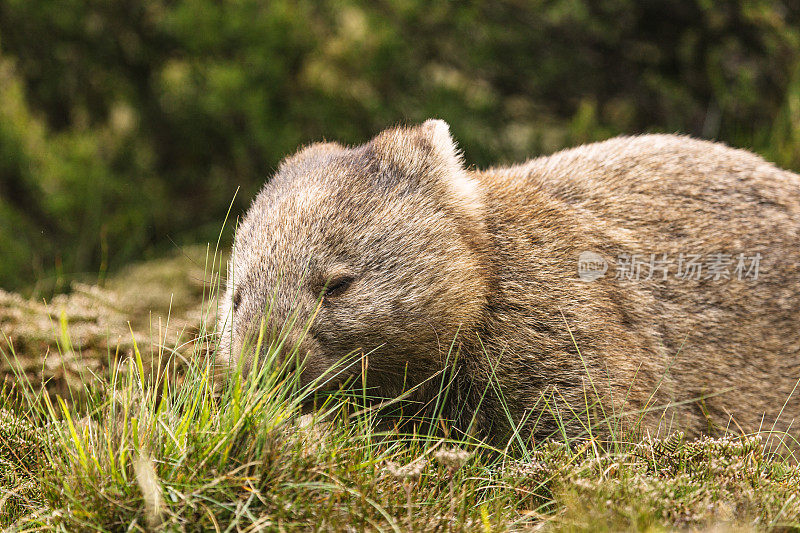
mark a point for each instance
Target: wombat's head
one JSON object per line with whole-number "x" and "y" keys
{"x": 377, "y": 248}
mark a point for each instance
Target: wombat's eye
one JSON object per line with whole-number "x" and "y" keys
{"x": 337, "y": 285}
{"x": 237, "y": 300}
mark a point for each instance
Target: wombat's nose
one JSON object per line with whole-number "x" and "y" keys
{"x": 278, "y": 355}
{"x": 284, "y": 353}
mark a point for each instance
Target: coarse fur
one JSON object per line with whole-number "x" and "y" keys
{"x": 422, "y": 251}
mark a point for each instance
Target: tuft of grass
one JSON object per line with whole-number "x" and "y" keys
{"x": 246, "y": 459}
{"x": 170, "y": 443}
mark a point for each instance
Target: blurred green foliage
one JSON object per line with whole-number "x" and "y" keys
{"x": 126, "y": 126}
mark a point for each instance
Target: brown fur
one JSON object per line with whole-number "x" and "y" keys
{"x": 434, "y": 250}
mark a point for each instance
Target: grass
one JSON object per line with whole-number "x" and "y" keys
{"x": 175, "y": 445}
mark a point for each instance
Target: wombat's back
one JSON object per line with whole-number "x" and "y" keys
{"x": 720, "y": 341}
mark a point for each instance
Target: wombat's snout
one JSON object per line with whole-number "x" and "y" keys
{"x": 283, "y": 351}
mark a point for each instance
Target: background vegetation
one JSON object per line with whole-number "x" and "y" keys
{"x": 128, "y": 126}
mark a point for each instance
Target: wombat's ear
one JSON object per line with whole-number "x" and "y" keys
{"x": 437, "y": 133}
{"x": 421, "y": 153}
{"x": 324, "y": 146}
{"x": 310, "y": 151}
{"x": 426, "y": 157}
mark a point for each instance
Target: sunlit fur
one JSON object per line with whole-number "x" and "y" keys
{"x": 437, "y": 250}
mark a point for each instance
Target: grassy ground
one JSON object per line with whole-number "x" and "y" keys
{"x": 147, "y": 441}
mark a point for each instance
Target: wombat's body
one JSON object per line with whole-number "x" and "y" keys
{"x": 416, "y": 251}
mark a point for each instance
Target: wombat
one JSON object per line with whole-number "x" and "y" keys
{"x": 646, "y": 282}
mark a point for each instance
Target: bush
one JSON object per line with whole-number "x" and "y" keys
{"x": 129, "y": 125}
